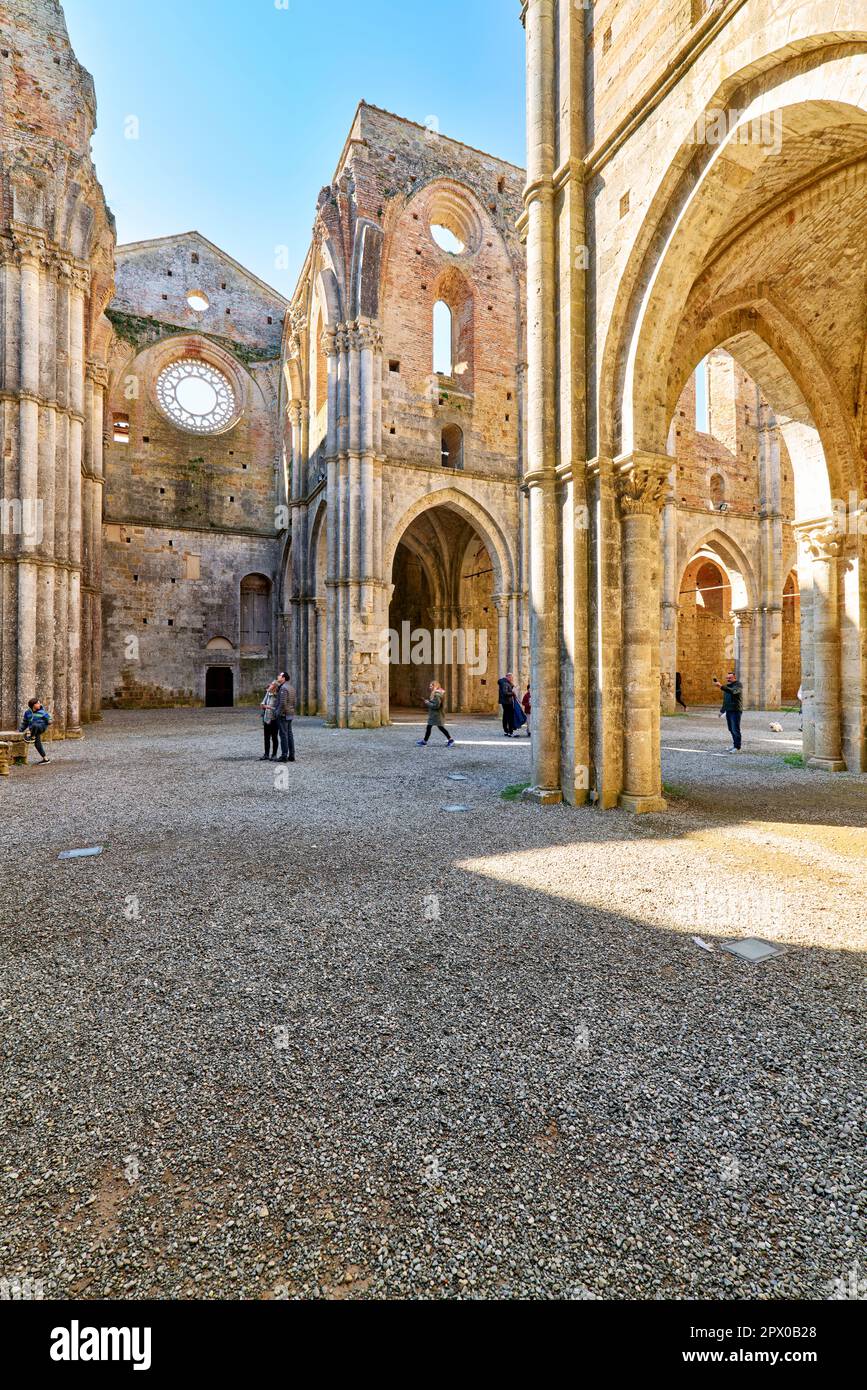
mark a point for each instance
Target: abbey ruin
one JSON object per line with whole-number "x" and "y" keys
{"x": 606, "y": 416}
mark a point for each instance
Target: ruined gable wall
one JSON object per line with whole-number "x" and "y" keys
{"x": 188, "y": 515}
{"x": 409, "y": 177}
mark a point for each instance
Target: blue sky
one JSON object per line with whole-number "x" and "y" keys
{"x": 243, "y": 107}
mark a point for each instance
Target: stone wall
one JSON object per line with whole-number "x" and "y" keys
{"x": 369, "y": 412}
{"x": 188, "y": 516}
{"x": 56, "y": 247}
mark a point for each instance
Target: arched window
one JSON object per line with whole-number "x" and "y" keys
{"x": 321, "y": 367}
{"x": 443, "y": 363}
{"x": 711, "y": 588}
{"x": 718, "y": 492}
{"x": 452, "y": 447}
{"x": 256, "y": 613}
{"x": 702, "y": 402}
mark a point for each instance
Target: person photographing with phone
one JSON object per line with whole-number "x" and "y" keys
{"x": 732, "y": 708}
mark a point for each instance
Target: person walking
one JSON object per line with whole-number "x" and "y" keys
{"x": 435, "y": 719}
{"x": 34, "y": 722}
{"x": 506, "y": 697}
{"x": 732, "y": 708}
{"x": 527, "y": 706}
{"x": 678, "y": 690}
{"x": 285, "y": 715}
{"x": 269, "y": 721}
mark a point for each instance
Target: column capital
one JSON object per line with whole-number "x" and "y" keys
{"x": 81, "y": 277}
{"x": 743, "y": 616}
{"x": 365, "y": 333}
{"x": 97, "y": 372}
{"x": 293, "y": 410}
{"x": 642, "y": 481}
{"x": 821, "y": 539}
{"x": 28, "y": 247}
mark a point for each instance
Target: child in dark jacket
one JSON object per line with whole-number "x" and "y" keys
{"x": 34, "y": 722}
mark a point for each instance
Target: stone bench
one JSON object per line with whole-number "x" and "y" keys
{"x": 17, "y": 746}
{"x": 4, "y": 760}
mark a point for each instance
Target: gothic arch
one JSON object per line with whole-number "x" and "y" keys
{"x": 478, "y": 517}
{"x": 696, "y": 201}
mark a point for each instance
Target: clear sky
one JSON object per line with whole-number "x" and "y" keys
{"x": 243, "y": 105}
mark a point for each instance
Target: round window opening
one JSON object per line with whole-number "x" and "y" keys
{"x": 446, "y": 239}
{"x": 196, "y": 396}
{"x": 198, "y": 300}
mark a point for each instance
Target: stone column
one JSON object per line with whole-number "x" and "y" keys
{"x": 31, "y": 252}
{"x": 744, "y": 633}
{"x": 64, "y": 272}
{"x": 825, "y": 545}
{"x": 641, "y": 482}
{"x": 606, "y": 626}
{"x": 670, "y": 607}
{"x": 79, "y": 287}
{"x": 295, "y": 579}
{"x": 541, "y": 477}
{"x": 501, "y": 603}
{"x": 768, "y": 667}
{"x": 330, "y": 346}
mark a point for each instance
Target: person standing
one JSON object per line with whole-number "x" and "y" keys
{"x": 269, "y": 721}
{"x": 506, "y": 696}
{"x": 527, "y": 706}
{"x": 34, "y": 723}
{"x": 435, "y": 719}
{"x": 678, "y": 690}
{"x": 732, "y": 708}
{"x": 285, "y": 715}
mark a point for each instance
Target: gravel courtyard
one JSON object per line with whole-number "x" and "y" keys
{"x": 328, "y": 1039}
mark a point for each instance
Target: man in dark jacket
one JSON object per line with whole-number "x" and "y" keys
{"x": 732, "y": 707}
{"x": 285, "y": 715}
{"x": 506, "y": 688}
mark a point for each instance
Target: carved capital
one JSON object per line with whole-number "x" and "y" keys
{"x": 366, "y": 334}
{"x": 98, "y": 374}
{"x": 28, "y": 247}
{"x": 642, "y": 483}
{"x": 81, "y": 278}
{"x": 824, "y": 542}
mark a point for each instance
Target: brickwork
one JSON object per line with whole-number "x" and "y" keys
{"x": 188, "y": 516}
{"x": 370, "y": 446}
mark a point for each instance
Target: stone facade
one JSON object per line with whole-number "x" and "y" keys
{"x": 57, "y": 244}
{"x": 194, "y": 522}
{"x": 405, "y": 480}
{"x": 695, "y": 181}
{"x": 413, "y": 446}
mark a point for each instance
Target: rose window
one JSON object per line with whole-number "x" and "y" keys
{"x": 196, "y": 396}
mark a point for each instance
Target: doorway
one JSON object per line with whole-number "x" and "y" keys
{"x": 219, "y": 687}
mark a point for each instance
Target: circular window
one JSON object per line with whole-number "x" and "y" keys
{"x": 446, "y": 240}
{"x": 453, "y": 220}
{"x": 196, "y": 396}
{"x": 198, "y": 300}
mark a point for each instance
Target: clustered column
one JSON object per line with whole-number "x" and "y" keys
{"x": 541, "y": 477}
{"x": 825, "y": 545}
{"x": 356, "y": 589}
{"x": 51, "y": 482}
{"x": 641, "y": 485}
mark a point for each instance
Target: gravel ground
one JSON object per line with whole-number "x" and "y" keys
{"x": 329, "y": 1040}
